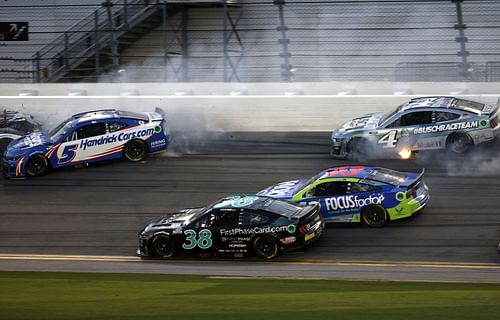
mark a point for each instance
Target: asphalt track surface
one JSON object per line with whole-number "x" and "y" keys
{"x": 87, "y": 219}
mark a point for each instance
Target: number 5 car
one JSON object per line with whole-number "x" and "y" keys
{"x": 85, "y": 138}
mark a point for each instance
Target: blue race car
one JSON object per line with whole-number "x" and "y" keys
{"x": 426, "y": 123}
{"x": 84, "y": 138}
{"x": 358, "y": 193}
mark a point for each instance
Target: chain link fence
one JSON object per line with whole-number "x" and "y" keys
{"x": 261, "y": 41}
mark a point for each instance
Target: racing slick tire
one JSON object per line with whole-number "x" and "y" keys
{"x": 135, "y": 150}
{"x": 266, "y": 247}
{"x": 374, "y": 216}
{"x": 37, "y": 165}
{"x": 359, "y": 149}
{"x": 3, "y": 144}
{"x": 163, "y": 246}
{"x": 459, "y": 142}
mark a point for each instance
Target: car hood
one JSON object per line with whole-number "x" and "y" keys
{"x": 174, "y": 220}
{"x": 368, "y": 121}
{"x": 31, "y": 140}
{"x": 283, "y": 190}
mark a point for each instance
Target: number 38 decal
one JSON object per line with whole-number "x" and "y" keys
{"x": 204, "y": 240}
{"x": 389, "y": 140}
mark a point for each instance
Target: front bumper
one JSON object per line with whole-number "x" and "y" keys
{"x": 339, "y": 150}
{"x": 12, "y": 168}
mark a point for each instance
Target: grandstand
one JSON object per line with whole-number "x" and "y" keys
{"x": 252, "y": 41}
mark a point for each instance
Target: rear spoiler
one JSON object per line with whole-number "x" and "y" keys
{"x": 414, "y": 182}
{"x": 491, "y": 110}
{"x": 309, "y": 210}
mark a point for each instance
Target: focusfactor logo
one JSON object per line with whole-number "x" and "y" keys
{"x": 349, "y": 202}
{"x": 116, "y": 137}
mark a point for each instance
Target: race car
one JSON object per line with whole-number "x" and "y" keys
{"x": 426, "y": 123}
{"x": 236, "y": 226}
{"x": 358, "y": 193}
{"x": 85, "y": 138}
{"x": 14, "y": 125}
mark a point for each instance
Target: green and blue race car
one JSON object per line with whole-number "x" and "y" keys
{"x": 358, "y": 193}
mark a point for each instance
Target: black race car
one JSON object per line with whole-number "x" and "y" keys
{"x": 14, "y": 125}
{"x": 236, "y": 226}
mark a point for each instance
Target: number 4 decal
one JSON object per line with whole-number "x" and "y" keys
{"x": 390, "y": 139}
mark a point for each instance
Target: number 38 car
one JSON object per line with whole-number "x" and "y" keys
{"x": 426, "y": 123}
{"x": 358, "y": 193}
{"x": 236, "y": 226}
{"x": 85, "y": 138}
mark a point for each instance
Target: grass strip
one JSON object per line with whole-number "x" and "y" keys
{"x": 44, "y": 295}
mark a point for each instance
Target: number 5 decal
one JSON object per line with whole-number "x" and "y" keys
{"x": 68, "y": 154}
{"x": 390, "y": 139}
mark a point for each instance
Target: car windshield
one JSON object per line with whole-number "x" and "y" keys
{"x": 389, "y": 114}
{"x": 386, "y": 176}
{"x": 58, "y": 132}
{"x": 255, "y": 203}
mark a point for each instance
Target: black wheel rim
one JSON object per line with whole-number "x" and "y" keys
{"x": 135, "y": 150}
{"x": 375, "y": 217}
{"x": 266, "y": 248}
{"x": 36, "y": 165}
{"x": 163, "y": 247}
{"x": 460, "y": 144}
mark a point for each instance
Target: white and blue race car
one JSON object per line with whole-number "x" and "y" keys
{"x": 426, "y": 123}
{"x": 85, "y": 138}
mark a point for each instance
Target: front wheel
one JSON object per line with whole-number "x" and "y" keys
{"x": 374, "y": 216}
{"x": 359, "y": 149}
{"x": 163, "y": 246}
{"x": 265, "y": 247}
{"x": 135, "y": 150}
{"x": 37, "y": 165}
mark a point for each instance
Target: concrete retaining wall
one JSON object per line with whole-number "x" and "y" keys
{"x": 234, "y": 106}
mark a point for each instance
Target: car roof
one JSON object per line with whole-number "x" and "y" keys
{"x": 442, "y": 102}
{"x": 360, "y": 172}
{"x": 107, "y": 114}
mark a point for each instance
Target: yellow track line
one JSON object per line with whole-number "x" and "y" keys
{"x": 351, "y": 263}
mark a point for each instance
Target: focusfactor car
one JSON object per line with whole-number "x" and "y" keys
{"x": 426, "y": 123}
{"x": 236, "y": 226}
{"x": 13, "y": 125}
{"x": 358, "y": 193}
{"x": 85, "y": 138}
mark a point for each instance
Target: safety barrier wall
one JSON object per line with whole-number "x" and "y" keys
{"x": 234, "y": 106}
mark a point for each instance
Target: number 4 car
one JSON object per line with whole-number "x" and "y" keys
{"x": 358, "y": 193}
{"x": 85, "y": 138}
{"x": 426, "y": 123}
{"x": 236, "y": 226}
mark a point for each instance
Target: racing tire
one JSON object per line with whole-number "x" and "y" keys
{"x": 374, "y": 216}
{"x": 37, "y": 165}
{"x": 359, "y": 149}
{"x": 163, "y": 246}
{"x": 266, "y": 247}
{"x": 459, "y": 143}
{"x": 135, "y": 150}
{"x": 3, "y": 144}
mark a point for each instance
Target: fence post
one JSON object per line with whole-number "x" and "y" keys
{"x": 97, "y": 44}
{"x": 66, "y": 50}
{"x": 37, "y": 61}
{"x": 285, "y": 67}
{"x": 462, "y": 40}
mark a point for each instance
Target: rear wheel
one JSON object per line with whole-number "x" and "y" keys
{"x": 163, "y": 246}
{"x": 135, "y": 150}
{"x": 374, "y": 216}
{"x": 37, "y": 165}
{"x": 265, "y": 247}
{"x": 459, "y": 142}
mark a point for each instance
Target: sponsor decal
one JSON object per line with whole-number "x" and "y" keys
{"x": 282, "y": 189}
{"x": 117, "y": 137}
{"x": 447, "y": 127}
{"x": 256, "y": 230}
{"x": 483, "y": 123}
{"x": 400, "y": 196}
{"x": 309, "y": 236}
{"x": 157, "y": 129}
{"x": 157, "y": 143}
{"x": 288, "y": 240}
{"x": 349, "y": 202}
